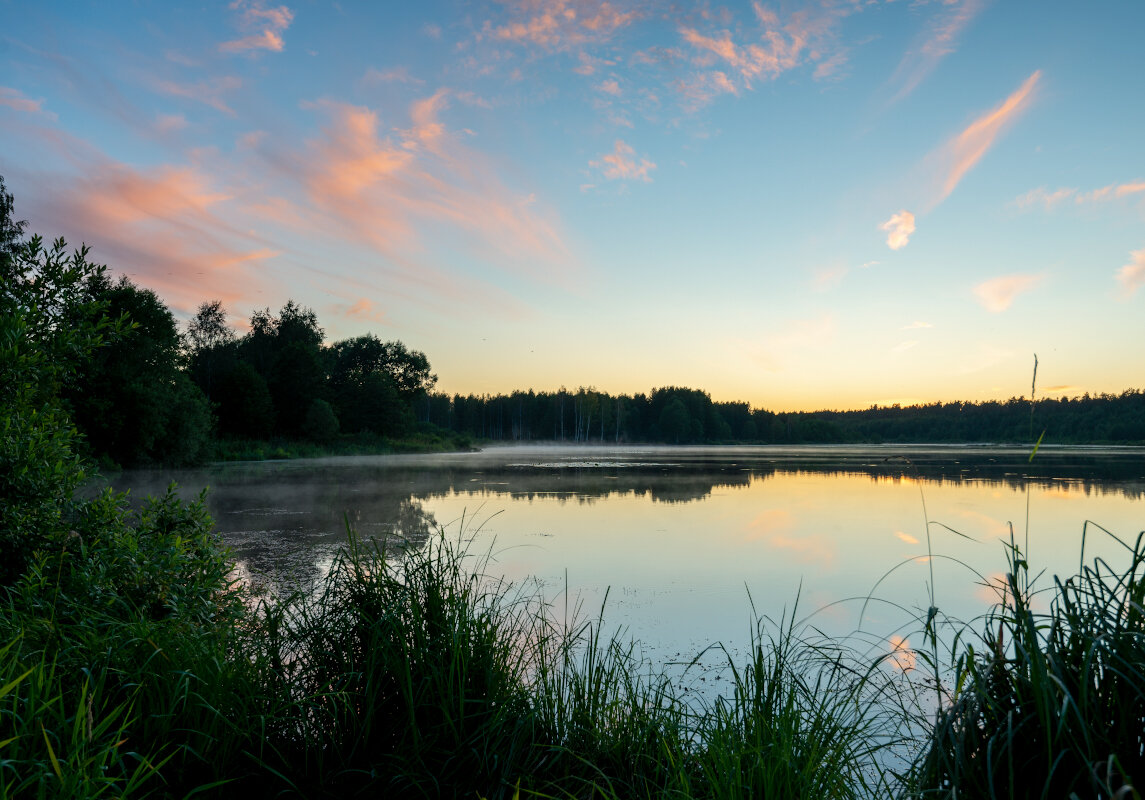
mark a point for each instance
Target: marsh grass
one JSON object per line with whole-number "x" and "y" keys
{"x": 1048, "y": 704}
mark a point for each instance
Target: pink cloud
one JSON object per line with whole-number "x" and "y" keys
{"x": 899, "y": 229}
{"x": 1132, "y": 275}
{"x": 750, "y": 61}
{"x": 392, "y": 75}
{"x": 620, "y": 164}
{"x": 903, "y": 656}
{"x": 939, "y": 41}
{"x": 704, "y": 88}
{"x": 998, "y": 294}
{"x": 1044, "y": 197}
{"x": 362, "y": 309}
{"x": 15, "y": 99}
{"x": 1112, "y": 192}
{"x": 169, "y": 123}
{"x": 558, "y": 24}
{"x": 611, "y": 87}
{"x": 164, "y": 227}
{"x": 208, "y": 92}
{"x": 386, "y": 191}
{"x": 807, "y": 36}
{"x": 965, "y": 150}
{"x": 268, "y": 25}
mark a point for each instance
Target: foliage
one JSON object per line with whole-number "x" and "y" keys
{"x": 122, "y": 641}
{"x": 245, "y": 407}
{"x": 320, "y": 425}
{"x": 49, "y": 323}
{"x": 210, "y": 340}
{"x": 131, "y": 399}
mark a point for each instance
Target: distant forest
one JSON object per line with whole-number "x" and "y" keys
{"x": 687, "y": 416}
{"x": 156, "y": 392}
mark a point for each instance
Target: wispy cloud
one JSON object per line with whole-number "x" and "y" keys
{"x": 209, "y": 92}
{"x": 729, "y": 63}
{"x": 169, "y": 123}
{"x": 361, "y": 309}
{"x": 1043, "y": 197}
{"x": 998, "y": 294}
{"x": 939, "y": 40}
{"x": 622, "y": 164}
{"x": 961, "y": 153}
{"x": 829, "y": 277}
{"x": 899, "y": 229}
{"x": 383, "y": 190}
{"x": 1114, "y": 191}
{"x": 557, "y": 24}
{"x": 166, "y": 227}
{"x": 391, "y": 75}
{"x": 266, "y": 25}
{"x": 611, "y": 87}
{"x": 777, "y": 352}
{"x": 1132, "y": 275}
{"x": 15, "y": 99}
{"x": 1051, "y": 199}
{"x": 916, "y": 325}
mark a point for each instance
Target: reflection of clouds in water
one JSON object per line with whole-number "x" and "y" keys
{"x": 903, "y": 656}
{"x": 774, "y": 526}
{"x": 995, "y": 590}
{"x": 769, "y": 522}
{"x": 906, "y": 537}
{"x": 982, "y": 524}
{"x": 807, "y": 549}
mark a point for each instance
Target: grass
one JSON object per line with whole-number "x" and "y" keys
{"x": 1048, "y": 704}
{"x": 131, "y": 666}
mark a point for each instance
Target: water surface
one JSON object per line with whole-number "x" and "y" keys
{"x": 686, "y": 540}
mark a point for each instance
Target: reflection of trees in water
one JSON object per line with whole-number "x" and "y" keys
{"x": 691, "y": 481}
{"x": 286, "y": 519}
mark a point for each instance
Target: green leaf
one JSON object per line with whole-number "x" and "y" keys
{"x": 1037, "y": 444}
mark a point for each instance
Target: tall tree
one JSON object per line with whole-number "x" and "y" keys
{"x": 132, "y": 401}
{"x": 287, "y": 352}
{"x": 210, "y": 343}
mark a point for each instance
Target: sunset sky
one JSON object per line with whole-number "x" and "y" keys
{"x": 802, "y": 205}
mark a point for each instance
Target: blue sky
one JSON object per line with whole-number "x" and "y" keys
{"x": 801, "y": 205}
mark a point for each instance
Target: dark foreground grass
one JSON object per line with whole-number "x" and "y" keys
{"x": 1049, "y": 704}
{"x": 131, "y": 666}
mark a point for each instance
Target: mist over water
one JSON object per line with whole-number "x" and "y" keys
{"x": 686, "y": 540}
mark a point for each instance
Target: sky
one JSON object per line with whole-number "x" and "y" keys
{"x": 801, "y": 205}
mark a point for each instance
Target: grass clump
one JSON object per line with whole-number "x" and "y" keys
{"x": 1050, "y": 704}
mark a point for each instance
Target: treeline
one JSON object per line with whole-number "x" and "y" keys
{"x": 677, "y": 415}
{"x": 153, "y": 394}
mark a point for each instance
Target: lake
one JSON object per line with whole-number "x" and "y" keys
{"x": 686, "y": 540}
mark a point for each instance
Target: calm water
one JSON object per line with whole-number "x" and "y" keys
{"x": 685, "y": 540}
